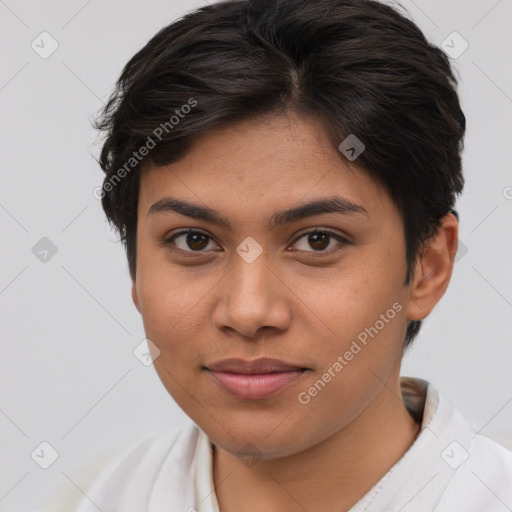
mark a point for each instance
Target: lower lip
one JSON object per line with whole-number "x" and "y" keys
{"x": 254, "y": 386}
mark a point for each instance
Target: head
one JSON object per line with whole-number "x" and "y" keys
{"x": 229, "y": 123}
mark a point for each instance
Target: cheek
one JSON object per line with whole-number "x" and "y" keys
{"x": 364, "y": 311}
{"x": 170, "y": 313}
{"x": 352, "y": 301}
{"x": 354, "y": 365}
{"x": 165, "y": 292}
{"x": 166, "y": 304}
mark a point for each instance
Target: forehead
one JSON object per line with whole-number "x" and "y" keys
{"x": 260, "y": 163}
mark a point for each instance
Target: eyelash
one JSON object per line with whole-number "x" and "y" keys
{"x": 168, "y": 242}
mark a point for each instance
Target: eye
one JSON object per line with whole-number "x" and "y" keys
{"x": 194, "y": 241}
{"x": 189, "y": 240}
{"x": 320, "y": 239}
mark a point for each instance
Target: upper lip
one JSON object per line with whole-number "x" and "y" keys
{"x": 262, "y": 365}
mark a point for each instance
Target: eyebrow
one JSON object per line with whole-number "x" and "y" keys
{"x": 335, "y": 204}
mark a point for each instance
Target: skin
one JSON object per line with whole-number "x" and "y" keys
{"x": 294, "y": 303}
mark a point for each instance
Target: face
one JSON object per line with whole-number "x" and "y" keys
{"x": 231, "y": 275}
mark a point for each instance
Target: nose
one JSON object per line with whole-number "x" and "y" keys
{"x": 253, "y": 300}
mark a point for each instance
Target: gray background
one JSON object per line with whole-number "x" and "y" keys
{"x": 68, "y": 375}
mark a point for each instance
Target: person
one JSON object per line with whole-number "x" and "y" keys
{"x": 283, "y": 176}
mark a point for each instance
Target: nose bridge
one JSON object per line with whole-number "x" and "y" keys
{"x": 251, "y": 270}
{"x": 252, "y": 297}
{"x": 251, "y": 280}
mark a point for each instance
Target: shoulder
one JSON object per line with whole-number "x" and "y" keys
{"x": 127, "y": 475}
{"x": 483, "y": 482}
{"x": 491, "y": 462}
{"x": 464, "y": 470}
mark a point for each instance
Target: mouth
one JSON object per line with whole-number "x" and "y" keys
{"x": 254, "y": 380}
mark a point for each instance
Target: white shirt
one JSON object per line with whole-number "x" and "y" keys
{"x": 448, "y": 468}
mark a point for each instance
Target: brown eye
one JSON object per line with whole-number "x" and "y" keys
{"x": 189, "y": 241}
{"x": 196, "y": 241}
{"x": 319, "y": 240}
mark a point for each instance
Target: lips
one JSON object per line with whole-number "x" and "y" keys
{"x": 254, "y": 380}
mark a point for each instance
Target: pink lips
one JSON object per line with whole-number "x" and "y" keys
{"x": 254, "y": 380}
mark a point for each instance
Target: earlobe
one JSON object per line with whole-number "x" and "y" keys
{"x": 135, "y": 297}
{"x": 434, "y": 269}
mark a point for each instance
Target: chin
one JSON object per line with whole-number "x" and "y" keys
{"x": 257, "y": 442}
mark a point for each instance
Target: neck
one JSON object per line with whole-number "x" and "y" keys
{"x": 330, "y": 476}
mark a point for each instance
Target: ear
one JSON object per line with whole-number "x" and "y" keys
{"x": 135, "y": 297}
{"x": 434, "y": 269}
